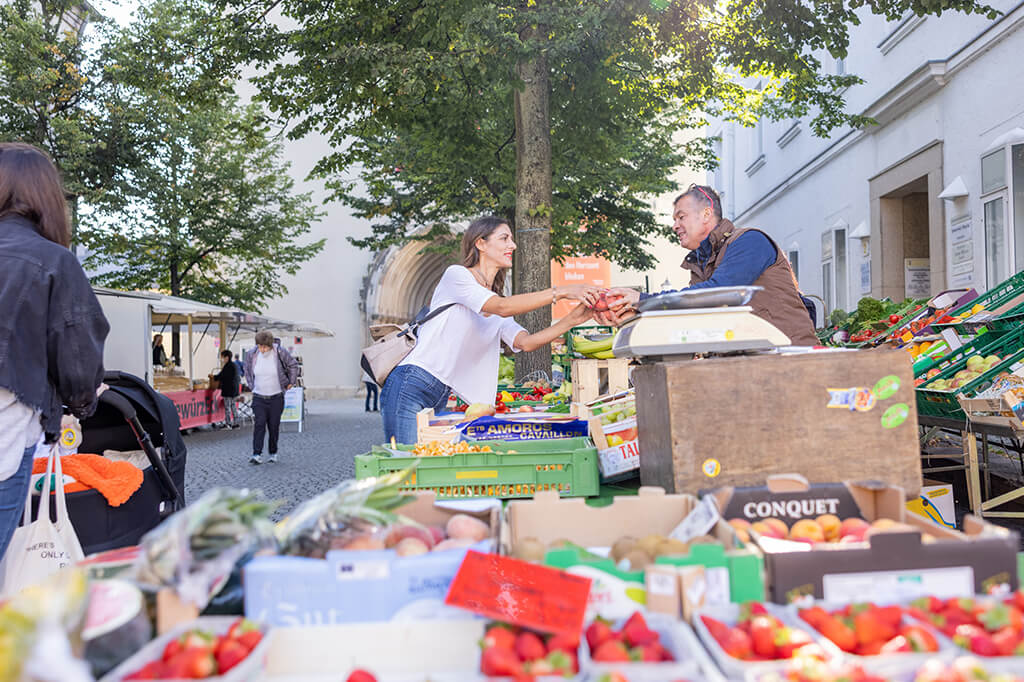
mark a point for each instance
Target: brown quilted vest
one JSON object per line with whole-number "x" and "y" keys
{"x": 780, "y": 301}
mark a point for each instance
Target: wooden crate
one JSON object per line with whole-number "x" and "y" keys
{"x": 1001, "y": 411}
{"x": 427, "y": 433}
{"x": 733, "y": 421}
{"x": 593, "y": 378}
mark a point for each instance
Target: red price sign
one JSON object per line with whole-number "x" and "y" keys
{"x": 520, "y": 593}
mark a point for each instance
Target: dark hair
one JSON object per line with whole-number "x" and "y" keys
{"x": 482, "y": 228}
{"x": 30, "y": 187}
{"x": 704, "y": 196}
{"x": 225, "y": 354}
{"x": 158, "y": 337}
{"x": 264, "y": 338}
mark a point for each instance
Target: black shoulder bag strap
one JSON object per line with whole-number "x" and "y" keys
{"x": 422, "y": 317}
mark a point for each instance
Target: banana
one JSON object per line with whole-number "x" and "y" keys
{"x": 603, "y": 355}
{"x": 586, "y": 346}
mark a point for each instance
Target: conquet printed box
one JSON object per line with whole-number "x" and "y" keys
{"x": 930, "y": 559}
{"x": 353, "y": 586}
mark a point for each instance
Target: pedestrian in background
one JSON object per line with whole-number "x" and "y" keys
{"x": 228, "y": 380}
{"x": 51, "y": 342}
{"x": 371, "y": 390}
{"x": 159, "y": 355}
{"x": 270, "y": 370}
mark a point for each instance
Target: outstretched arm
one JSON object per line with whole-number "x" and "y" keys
{"x": 508, "y": 306}
{"x": 528, "y": 342}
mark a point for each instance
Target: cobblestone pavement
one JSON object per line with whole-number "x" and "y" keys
{"x": 310, "y": 462}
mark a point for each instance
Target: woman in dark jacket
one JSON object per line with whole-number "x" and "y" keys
{"x": 51, "y": 338}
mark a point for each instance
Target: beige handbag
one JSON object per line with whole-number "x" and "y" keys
{"x": 386, "y": 352}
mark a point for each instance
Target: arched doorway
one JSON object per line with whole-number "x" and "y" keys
{"x": 401, "y": 281}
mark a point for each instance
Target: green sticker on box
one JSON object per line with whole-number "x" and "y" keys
{"x": 895, "y": 415}
{"x": 887, "y": 387}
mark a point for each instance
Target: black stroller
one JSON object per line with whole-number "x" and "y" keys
{"x": 130, "y": 415}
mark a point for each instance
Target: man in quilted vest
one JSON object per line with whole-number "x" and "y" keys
{"x": 723, "y": 255}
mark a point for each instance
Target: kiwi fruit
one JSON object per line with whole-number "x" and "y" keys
{"x": 530, "y": 549}
{"x": 559, "y": 543}
{"x": 622, "y": 547}
{"x": 650, "y": 543}
{"x": 638, "y": 559}
{"x": 671, "y": 547}
{"x": 704, "y": 540}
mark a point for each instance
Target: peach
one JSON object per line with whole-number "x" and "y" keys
{"x": 886, "y": 526}
{"x": 830, "y": 525}
{"x": 853, "y": 527}
{"x": 399, "y": 533}
{"x": 464, "y": 527}
{"x": 806, "y": 530}
{"x": 742, "y": 528}
{"x": 768, "y": 530}
{"x": 780, "y": 526}
{"x": 411, "y": 547}
{"x": 437, "y": 532}
{"x": 362, "y": 542}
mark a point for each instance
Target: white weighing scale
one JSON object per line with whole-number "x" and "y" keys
{"x": 713, "y": 320}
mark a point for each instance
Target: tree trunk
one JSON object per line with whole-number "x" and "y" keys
{"x": 532, "y": 264}
{"x": 175, "y": 329}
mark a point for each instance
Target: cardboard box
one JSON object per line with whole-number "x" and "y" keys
{"x": 354, "y": 586}
{"x": 731, "y": 421}
{"x": 615, "y": 460}
{"x": 935, "y": 503}
{"x": 736, "y": 573}
{"x": 893, "y": 565}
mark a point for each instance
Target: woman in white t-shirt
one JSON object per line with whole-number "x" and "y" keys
{"x": 458, "y": 350}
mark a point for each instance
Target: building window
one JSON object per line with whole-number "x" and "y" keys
{"x": 1002, "y": 200}
{"x": 841, "y": 66}
{"x": 834, "y": 270}
{"x": 794, "y": 262}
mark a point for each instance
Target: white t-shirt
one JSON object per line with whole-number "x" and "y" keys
{"x": 461, "y": 345}
{"x": 19, "y": 430}
{"x": 264, "y": 373}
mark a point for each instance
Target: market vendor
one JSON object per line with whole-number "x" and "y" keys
{"x": 722, "y": 255}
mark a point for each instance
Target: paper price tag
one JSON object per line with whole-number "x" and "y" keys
{"x": 717, "y": 580}
{"x": 520, "y": 593}
{"x": 662, "y": 583}
{"x": 698, "y": 522}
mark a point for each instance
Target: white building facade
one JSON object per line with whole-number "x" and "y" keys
{"x": 930, "y": 198}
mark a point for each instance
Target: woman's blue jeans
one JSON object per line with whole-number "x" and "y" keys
{"x": 13, "y": 492}
{"x": 408, "y": 390}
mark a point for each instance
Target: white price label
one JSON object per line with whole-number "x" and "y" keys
{"x": 698, "y": 522}
{"x": 364, "y": 570}
{"x": 944, "y": 583}
{"x": 662, "y": 583}
{"x": 718, "y": 585}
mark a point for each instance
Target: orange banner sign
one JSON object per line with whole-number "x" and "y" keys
{"x": 579, "y": 270}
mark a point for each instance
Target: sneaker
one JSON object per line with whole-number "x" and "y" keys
{"x": 256, "y": 458}
{"x": 272, "y": 459}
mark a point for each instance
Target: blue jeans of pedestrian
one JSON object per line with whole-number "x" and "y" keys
{"x": 408, "y": 390}
{"x": 13, "y": 492}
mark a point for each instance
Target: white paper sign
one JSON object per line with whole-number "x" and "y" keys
{"x": 917, "y": 277}
{"x": 698, "y": 522}
{"x": 944, "y": 583}
{"x": 865, "y": 276}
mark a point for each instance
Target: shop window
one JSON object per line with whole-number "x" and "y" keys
{"x": 834, "y": 270}
{"x": 995, "y": 241}
{"x": 1002, "y": 200}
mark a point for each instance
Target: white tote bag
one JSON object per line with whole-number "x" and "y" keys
{"x": 42, "y": 547}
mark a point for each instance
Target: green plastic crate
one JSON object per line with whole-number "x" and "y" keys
{"x": 599, "y": 328}
{"x": 519, "y": 446}
{"x": 944, "y": 403}
{"x": 503, "y": 474}
{"x": 995, "y": 297}
{"x": 923, "y": 365}
{"x": 746, "y": 568}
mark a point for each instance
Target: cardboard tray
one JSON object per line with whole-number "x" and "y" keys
{"x": 248, "y": 669}
{"x": 979, "y": 559}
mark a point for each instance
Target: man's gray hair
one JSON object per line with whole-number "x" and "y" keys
{"x": 704, "y": 196}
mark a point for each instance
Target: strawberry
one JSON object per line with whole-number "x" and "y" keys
{"x": 869, "y": 627}
{"x": 636, "y": 633}
{"x": 719, "y": 630}
{"x": 563, "y": 662}
{"x": 611, "y": 652}
{"x": 1006, "y": 640}
{"x": 172, "y": 649}
{"x": 893, "y": 615}
{"x": 612, "y": 677}
{"x": 154, "y": 670}
{"x": 195, "y": 639}
{"x": 814, "y": 615}
{"x": 199, "y": 663}
{"x": 1017, "y": 600}
{"x": 921, "y": 639}
{"x": 500, "y": 636}
{"x": 529, "y": 647}
{"x": 838, "y": 632}
{"x": 762, "y": 637}
{"x": 789, "y": 640}
{"x": 597, "y": 633}
{"x": 737, "y": 644}
{"x": 752, "y": 608}
{"x": 240, "y": 626}
{"x": 869, "y": 649}
{"x": 896, "y": 645}
{"x": 999, "y": 616}
{"x": 976, "y": 640}
{"x": 499, "y": 662}
{"x": 250, "y": 639}
{"x": 562, "y": 642}
{"x": 229, "y": 653}
{"x": 929, "y": 604}
{"x": 360, "y": 676}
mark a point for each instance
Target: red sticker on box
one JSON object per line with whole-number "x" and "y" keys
{"x": 520, "y": 593}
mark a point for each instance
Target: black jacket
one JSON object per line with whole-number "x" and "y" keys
{"x": 52, "y": 328}
{"x": 228, "y": 378}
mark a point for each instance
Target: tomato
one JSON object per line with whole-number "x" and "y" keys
{"x": 894, "y": 318}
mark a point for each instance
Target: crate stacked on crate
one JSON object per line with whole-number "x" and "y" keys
{"x": 505, "y": 469}
{"x": 613, "y": 428}
{"x": 982, "y": 311}
{"x": 975, "y": 371}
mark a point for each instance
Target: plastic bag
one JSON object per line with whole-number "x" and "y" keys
{"x": 196, "y": 548}
{"x": 336, "y": 516}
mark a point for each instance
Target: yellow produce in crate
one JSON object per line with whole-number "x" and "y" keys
{"x": 445, "y": 449}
